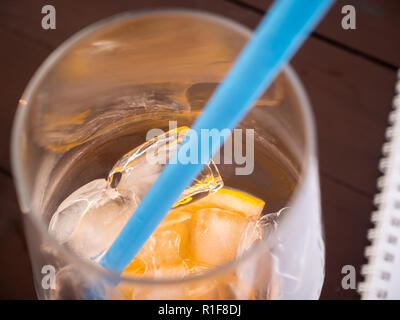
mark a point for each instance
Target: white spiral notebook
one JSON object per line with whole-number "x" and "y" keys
{"x": 382, "y": 273}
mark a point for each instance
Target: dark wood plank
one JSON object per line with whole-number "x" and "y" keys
{"x": 25, "y": 17}
{"x": 346, "y": 218}
{"x": 15, "y": 268}
{"x": 21, "y": 59}
{"x": 378, "y": 25}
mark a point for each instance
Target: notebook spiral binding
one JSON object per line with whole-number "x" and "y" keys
{"x": 379, "y": 273}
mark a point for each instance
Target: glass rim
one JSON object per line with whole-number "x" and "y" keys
{"x": 40, "y": 73}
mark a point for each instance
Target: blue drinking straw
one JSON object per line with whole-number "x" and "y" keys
{"x": 278, "y": 36}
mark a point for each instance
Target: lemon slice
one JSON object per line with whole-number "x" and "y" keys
{"x": 205, "y": 232}
{"x": 230, "y": 200}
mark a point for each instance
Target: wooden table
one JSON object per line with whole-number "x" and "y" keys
{"x": 348, "y": 74}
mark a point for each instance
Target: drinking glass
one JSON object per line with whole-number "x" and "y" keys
{"x": 94, "y": 99}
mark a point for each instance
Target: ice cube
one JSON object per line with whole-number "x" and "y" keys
{"x": 101, "y": 224}
{"x": 256, "y": 230}
{"x": 216, "y": 234}
{"x": 71, "y": 283}
{"x": 162, "y": 292}
{"x": 90, "y": 219}
{"x": 138, "y": 169}
{"x": 254, "y": 274}
{"x": 165, "y": 249}
{"x": 187, "y": 291}
{"x": 71, "y": 210}
{"x": 162, "y": 248}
